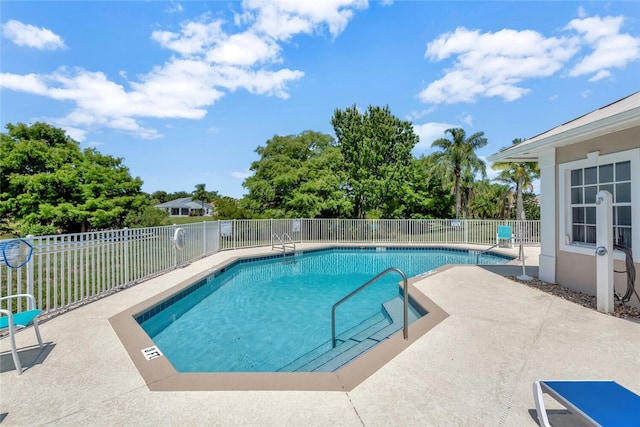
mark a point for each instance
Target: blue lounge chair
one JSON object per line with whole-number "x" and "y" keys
{"x": 599, "y": 403}
{"x": 17, "y": 321}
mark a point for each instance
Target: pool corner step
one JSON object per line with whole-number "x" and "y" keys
{"x": 345, "y": 356}
{"x": 373, "y": 324}
{"x": 354, "y": 341}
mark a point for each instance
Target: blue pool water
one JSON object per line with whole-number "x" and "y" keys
{"x": 261, "y": 316}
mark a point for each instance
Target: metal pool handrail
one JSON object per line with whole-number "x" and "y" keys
{"x": 283, "y": 243}
{"x": 405, "y": 330}
{"x": 478, "y": 254}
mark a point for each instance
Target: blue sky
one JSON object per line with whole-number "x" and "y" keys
{"x": 185, "y": 91}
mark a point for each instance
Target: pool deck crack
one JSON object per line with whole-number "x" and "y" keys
{"x": 531, "y": 353}
{"x": 354, "y": 408}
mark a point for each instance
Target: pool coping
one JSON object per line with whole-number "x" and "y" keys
{"x": 160, "y": 375}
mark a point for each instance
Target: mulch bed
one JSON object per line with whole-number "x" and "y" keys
{"x": 622, "y": 311}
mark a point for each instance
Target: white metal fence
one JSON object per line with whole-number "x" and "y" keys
{"x": 70, "y": 269}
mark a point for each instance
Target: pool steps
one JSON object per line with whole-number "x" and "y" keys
{"x": 379, "y": 320}
{"x": 354, "y": 341}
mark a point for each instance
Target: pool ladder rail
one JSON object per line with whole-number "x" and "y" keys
{"x": 283, "y": 243}
{"x": 479, "y": 253}
{"x": 405, "y": 290}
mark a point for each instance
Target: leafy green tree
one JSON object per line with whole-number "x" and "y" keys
{"x": 109, "y": 193}
{"x": 457, "y": 158}
{"x": 179, "y": 195}
{"x": 531, "y": 205}
{"x": 424, "y": 196}
{"x": 35, "y": 166}
{"x": 520, "y": 175}
{"x": 321, "y": 193}
{"x": 49, "y": 185}
{"x": 159, "y": 197}
{"x": 228, "y": 208}
{"x": 147, "y": 216}
{"x": 201, "y": 194}
{"x": 297, "y": 176}
{"x": 376, "y": 147}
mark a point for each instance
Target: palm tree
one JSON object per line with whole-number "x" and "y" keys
{"x": 519, "y": 174}
{"x": 458, "y": 158}
{"x": 201, "y": 194}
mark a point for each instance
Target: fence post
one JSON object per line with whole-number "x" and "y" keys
{"x": 173, "y": 247}
{"x": 204, "y": 238}
{"x": 446, "y": 231}
{"x": 126, "y": 256}
{"x": 30, "y": 278}
{"x": 466, "y": 231}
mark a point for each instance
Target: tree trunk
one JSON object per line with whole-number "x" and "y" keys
{"x": 520, "y": 204}
{"x": 458, "y": 195}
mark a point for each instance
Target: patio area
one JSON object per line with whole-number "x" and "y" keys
{"x": 476, "y": 368}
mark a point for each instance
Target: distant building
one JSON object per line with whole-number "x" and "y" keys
{"x": 185, "y": 206}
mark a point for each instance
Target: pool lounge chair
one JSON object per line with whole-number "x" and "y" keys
{"x": 599, "y": 403}
{"x": 504, "y": 236}
{"x": 17, "y": 321}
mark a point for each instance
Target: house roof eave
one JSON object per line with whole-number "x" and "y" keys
{"x": 529, "y": 150}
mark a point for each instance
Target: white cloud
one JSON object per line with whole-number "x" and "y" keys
{"x": 493, "y": 64}
{"x": 260, "y": 82}
{"x": 581, "y": 12}
{"x": 281, "y": 19}
{"x": 414, "y": 115}
{"x": 429, "y": 132}
{"x": 610, "y": 48}
{"x": 497, "y": 64}
{"x": 245, "y": 49}
{"x": 467, "y": 119}
{"x": 242, "y": 175}
{"x": 194, "y": 37}
{"x": 31, "y": 36}
{"x": 180, "y": 88}
{"x": 208, "y": 62}
{"x": 79, "y": 135}
{"x": 602, "y": 74}
{"x": 31, "y": 83}
{"x": 174, "y": 7}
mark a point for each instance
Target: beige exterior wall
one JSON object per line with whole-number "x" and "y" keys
{"x": 612, "y": 143}
{"x": 579, "y": 271}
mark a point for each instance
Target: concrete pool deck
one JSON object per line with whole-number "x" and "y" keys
{"x": 475, "y": 368}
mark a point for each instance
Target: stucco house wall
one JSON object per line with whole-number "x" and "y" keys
{"x": 607, "y": 136}
{"x": 578, "y": 271}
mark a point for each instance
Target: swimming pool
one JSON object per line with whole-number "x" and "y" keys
{"x": 273, "y": 313}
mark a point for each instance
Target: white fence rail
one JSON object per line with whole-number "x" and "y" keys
{"x": 71, "y": 269}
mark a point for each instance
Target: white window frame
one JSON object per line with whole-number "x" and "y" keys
{"x": 564, "y": 199}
